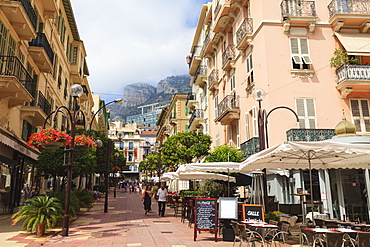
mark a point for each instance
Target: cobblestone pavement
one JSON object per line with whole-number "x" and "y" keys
{"x": 124, "y": 225}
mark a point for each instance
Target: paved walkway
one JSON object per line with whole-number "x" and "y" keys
{"x": 124, "y": 225}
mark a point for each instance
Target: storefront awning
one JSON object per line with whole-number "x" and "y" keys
{"x": 355, "y": 43}
{"x": 18, "y": 145}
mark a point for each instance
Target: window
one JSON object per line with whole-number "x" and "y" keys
{"x": 232, "y": 83}
{"x": 74, "y": 55}
{"x": 250, "y": 77}
{"x": 360, "y": 114}
{"x": 300, "y": 53}
{"x": 255, "y": 121}
{"x": 3, "y": 37}
{"x": 217, "y": 139}
{"x": 247, "y": 132}
{"x": 306, "y": 113}
{"x": 216, "y": 106}
{"x": 237, "y": 135}
{"x": 121, "y": 145}
{"x": 130, "y": 146}
{"x": 130, "y": 156}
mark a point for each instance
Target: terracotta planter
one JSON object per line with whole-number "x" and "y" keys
{"x": 40, "y": 229}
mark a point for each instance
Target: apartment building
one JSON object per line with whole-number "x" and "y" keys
{"x": 173, "y": 119}
{"x": 41, "y": 56}
{"x": 284, "y": 47}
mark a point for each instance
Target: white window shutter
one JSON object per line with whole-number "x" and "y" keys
{"x": 255, "y": 121}
{"x": 306, "y": 113}
{"x": 360, "y": 114}
{"x": 247, "y": 131}
{"x": 294, "y": 46}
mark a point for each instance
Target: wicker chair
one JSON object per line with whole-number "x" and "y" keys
{"x": 250, "y": 237}
{"x": 236, "y": 231}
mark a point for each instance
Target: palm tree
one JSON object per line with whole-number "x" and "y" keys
{"x": 41, "y": 213}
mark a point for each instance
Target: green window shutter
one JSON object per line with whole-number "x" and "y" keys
{"x": 186, "y": 127}
{"x": 25, "y": 130}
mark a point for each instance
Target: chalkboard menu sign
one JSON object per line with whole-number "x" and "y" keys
{"x": 205, "y": 215}
{"x": 253, "y": 212}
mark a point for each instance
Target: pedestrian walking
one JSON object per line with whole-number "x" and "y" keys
{"x": 162, "y": 196}
{"x": 147, "y": 197}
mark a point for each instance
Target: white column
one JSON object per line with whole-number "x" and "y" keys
{"x": 324, "y": 181}
{"x": 367, "y": 186}
{"x": 342, "y": 209}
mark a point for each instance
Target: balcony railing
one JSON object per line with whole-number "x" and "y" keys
{"x": 196, "y": 114}
{"x": 349, "y": 7}
{"x": 41, "y": 101}
{"x": 12, "y": 66}
{"x": 196, "y": 52}
{"x": 213, "y": 76}
{"x": 30, "y": 11}
{"x": 42, "y": 41}
{"x": 299, "y": 8}
{"x": 216, "y": 8}
{"x": 353, "y": 72}
{"x": 228, "y": 103}
{"x": 190, "y": 97}
{"x": 229, "y": 54}
{"x": 309, "y": 135}
{"x": 245, "y": 27}
{"x": 201, "y": 71}
{"x": 250, "y": 147}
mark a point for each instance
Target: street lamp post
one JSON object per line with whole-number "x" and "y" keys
{"x": 113, "y": 101}
{"x": 107, "y": 160}
{"x": 259, "y": 95}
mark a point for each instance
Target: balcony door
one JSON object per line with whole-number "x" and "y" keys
{"x": 360, "y": 115}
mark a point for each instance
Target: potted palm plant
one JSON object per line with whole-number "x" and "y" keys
{"x": 41, "y": 213}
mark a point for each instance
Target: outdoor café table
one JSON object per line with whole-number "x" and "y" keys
{"x": 260, "y": 225}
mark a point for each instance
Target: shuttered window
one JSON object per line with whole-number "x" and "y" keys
{"x": 255, "y": 121}
{"x": 306, "y": 113}
{"x": 360, "y": 115}
{"x": 300, "y": 54}
{"x": 3, "y": 37}
{"x": 247, "y": 131}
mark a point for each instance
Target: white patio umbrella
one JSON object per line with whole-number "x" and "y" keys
{"x": 210, "y": 167}
{"x": 310, "y": 155}
{"x": 168, "y": 176}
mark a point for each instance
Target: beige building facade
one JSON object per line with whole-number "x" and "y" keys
{"x": 284, "y": 47}
{"x": 41, "y": 56}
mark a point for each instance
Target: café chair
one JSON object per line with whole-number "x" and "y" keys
{"x": 332, "y": 239}
{"x": 235, "y": 226}
{"x": 280, "y": 235}
{"x": 363, "y": 239}
{"x": 306, "y": 237}
{"x": 248, "y": 236}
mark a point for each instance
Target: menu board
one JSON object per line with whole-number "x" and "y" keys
{"x": 253, "y": 212}
{"x": 205, "y": 215}
{"x": 228, "y": 208}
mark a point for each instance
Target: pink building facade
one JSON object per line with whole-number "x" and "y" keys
{"x": 284, "y": 47}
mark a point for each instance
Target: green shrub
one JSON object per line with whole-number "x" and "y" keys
{"x": 86, "y": 198}
{"x": 74, "y": 204}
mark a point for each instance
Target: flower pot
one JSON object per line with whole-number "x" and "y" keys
{"x": 40, "y": 229}
{"x": 52, "y": 146}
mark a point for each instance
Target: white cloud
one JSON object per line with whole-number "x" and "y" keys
{"x": 135, "y": 41}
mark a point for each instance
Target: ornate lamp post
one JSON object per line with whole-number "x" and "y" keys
{"x": 259, "y": 95}
{"x": 108, "y": 150}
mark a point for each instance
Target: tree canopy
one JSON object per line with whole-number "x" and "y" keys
{"x": 224, "y": 153}
{"x": 183, "y": 148}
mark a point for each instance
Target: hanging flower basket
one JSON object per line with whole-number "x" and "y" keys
{"x": 49, "y": 139}
{"x": 82, "y": 140}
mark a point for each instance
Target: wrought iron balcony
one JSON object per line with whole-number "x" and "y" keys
{"x": 30, "y": 11}
{"x": 361, "y": 7}
{"x": 228, "y": 109}
{"x": 191, "y": 100}
{"x": 200, "y": 75}
{"x": 245, "y": 28}
{"x": 228, "y": 56}
{"x": 42, "y": 41}
{"x": 309, "y": 135}
{"x": 12, "y": 66}
{"x": 37, "y": 110}
{"x": 250, "y": 147}
{"x": 195, "y": 60}
{"x": 42, "y": 102}
{"x": 298, "y": 8}
{"x": 197, "y": 114}
{"x": 213, "y": 79}
{"x": 207, "y": 43}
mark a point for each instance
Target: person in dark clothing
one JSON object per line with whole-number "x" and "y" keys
{"x": 147, "y": 200}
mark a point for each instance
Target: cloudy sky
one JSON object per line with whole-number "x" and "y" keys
{"x": 131, "y": 41}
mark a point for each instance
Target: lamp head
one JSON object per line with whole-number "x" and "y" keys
{"x": 99, "y": 143}
{"x": 118, "y": 100}
{"x": 259, "y": 94}
{"x": 76, "y": 90}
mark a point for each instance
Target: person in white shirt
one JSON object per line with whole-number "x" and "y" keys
{"x": 162, "y": 195}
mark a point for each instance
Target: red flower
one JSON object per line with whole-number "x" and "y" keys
{"x": 48, "y": 136}
{"x": 82, "y": 140}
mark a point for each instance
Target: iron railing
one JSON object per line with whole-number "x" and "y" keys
{"x": 245, "y": 27}
{"x": 196, "y": 52}
{"x": 298, "y": 8}
{"x": 353, "y": 72}
{"x": 213, "y": 76}
{"x": 228, "y": 103}
{"x": 250, "y": 147}
{"x": 201, "y": 71}
{"x": 12, "y": 66}
{"x": 228, "y": 54}
{"x": 206, "y": 41}
{"x": 191, "y": 96}
{"x": 216, "y": 8}
{"x": 349, "y": 7}
{"x": 40, "y": 101}
{"x": 194, "y": 115}
{"x": 30, "y": 11}
{"x": 42, "y": 41}
{"x": 309, "y": 135}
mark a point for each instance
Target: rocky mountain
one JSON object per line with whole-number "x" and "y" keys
{"x": 141, "y": 93}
